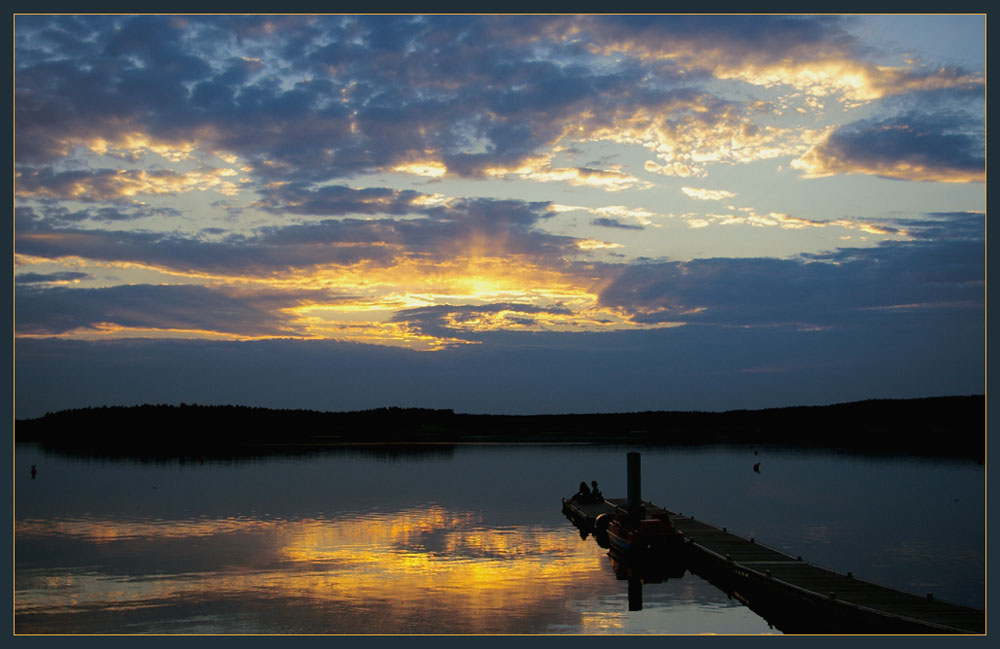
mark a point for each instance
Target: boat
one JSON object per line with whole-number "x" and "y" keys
{"x": 643, "y": 537}
{"x": 583, "y": 513}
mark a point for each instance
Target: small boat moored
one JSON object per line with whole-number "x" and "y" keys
{"x": 631, "y": 536}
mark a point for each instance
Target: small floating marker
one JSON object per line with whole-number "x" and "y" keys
{"x": 751, "y": 539}
{"x": 850, "y": 575}
{"x": 768, "y": 573}
{"x": 930, "y": 595}
{"x": 798, "y": 558}
{"x": 724, "y": 529}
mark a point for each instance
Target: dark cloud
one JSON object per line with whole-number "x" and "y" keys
{"x": 106, "y": 185}
{"x": 745, "y": 38}
{"x": 614, "y": 223}
{"x": 748, "y": 44}
{"x": 907, "y": 147}
{"x": 686, "y": 368}
{"x": 52, "y": 311}
{"x": 968, "y": 226}
{"x": 233, "y": 256}
{"x": 337, "y": 200}
{"x": 51, "y": 215}
{"x": 381, "y": 91}
{"x": 313, "y": 98}
{"x": 927, "y": 278}
{"x": 465, "y": 228}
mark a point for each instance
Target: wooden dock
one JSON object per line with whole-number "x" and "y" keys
{"x": 794, "y": 595}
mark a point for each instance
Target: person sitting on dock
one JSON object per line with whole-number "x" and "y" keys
{"x": 583, "y": 495}
{"x": 595, "y": 493}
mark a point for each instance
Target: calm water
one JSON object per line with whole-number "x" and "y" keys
{"x": 467, "y": 539}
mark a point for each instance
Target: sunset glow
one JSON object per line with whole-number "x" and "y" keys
{"x": 445, "y": 183}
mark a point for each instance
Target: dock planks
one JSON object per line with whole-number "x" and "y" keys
{"x": 797, "y": 591}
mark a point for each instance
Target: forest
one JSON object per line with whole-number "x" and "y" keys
{"x": 936, "y": 426}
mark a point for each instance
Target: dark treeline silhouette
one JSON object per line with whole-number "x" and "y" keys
{"x": 936, "y": 426}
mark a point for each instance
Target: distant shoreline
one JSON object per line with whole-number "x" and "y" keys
{"x": 951, "y": 426}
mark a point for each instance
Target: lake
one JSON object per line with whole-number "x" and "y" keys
{"x": 457, "y": 539}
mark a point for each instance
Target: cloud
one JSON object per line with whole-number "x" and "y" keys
{"x": 460, "y": 230}
{"x": 682, "y": 368}
{"x": 49, "y": 278}
{"x": 52, "y": 215}
{"x": 539, "y": 169}
{"x": 707, "y": 194}
{"x": 428, "y": 100}
{"x": 687, "y": 131}
{"x": 466, "y": 321}
{"x": 947, "y": 226}
{"x": 613, "y": 223}
{"x": 929, "y": 148}
{"x": 180, "y": 309}
{"x": 338, "y": 200}
{"x": 812, "y": 54}
{"x": 120, "y": 185}
{"x": 934, "y": 278}
{"x": 748, "y": 216}
{"x": 255, "y": 155}
{"x": 470, "y": 252}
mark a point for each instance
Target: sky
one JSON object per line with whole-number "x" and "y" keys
{"x": 506, "y": 214}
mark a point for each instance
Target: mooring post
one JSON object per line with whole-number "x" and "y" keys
{"x": 634, "y": 594}
{"x": 634, "y": 468}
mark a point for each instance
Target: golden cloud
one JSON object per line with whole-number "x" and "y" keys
{"x": 540, "y": 169}
{"x": 707, "y": 194}
{"x": 359, "y": 302}
{"x": 128, "y": 183}
{"x": 822, "y": 72}
{"x": 428, "y": 168}
{"x": 685, "y": 137}
{"x": 748, "y": 216}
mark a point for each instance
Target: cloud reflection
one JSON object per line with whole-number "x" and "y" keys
{"x": 413, "y": 563}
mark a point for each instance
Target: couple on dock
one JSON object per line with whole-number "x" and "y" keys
{"x": 588, "y": 494}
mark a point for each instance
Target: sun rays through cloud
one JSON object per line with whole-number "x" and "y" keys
{"x": 453, "y": 183}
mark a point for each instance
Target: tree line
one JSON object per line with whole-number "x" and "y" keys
{"x": 936, "y": 426}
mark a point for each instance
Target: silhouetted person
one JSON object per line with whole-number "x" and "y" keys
{"x": 595, "y": 493}
{"x": 756, "y": 467}
{"x": 34, "y": 471}
{"x": 583, "y": 494}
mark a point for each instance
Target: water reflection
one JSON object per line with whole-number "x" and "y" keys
{"x": 345, "y": 543}
{"x": 637, "y": 573}
{"x": 384, "y": 451}
{"x": 396, "y": 570}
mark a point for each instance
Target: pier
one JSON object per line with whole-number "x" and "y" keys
{"x": 793, "y": 595}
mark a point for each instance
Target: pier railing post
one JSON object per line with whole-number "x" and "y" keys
{"x": 634, "y": 468}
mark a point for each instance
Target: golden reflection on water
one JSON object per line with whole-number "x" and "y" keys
{"x": 96, "y": 530}
{"x": 412, "y": 563}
